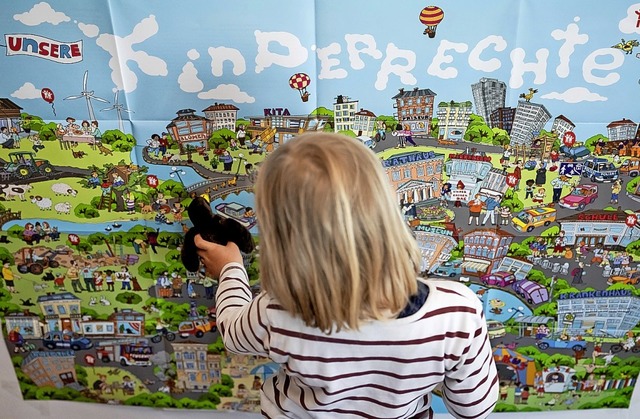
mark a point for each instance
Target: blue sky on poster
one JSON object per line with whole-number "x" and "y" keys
{"x": 163, "y": 56}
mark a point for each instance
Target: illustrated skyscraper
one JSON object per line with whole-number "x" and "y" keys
{"x": 488, "y": 95}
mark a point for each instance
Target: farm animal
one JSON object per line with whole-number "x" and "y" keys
{"x": 39, "y": 287}
{"x": 104, "y": 301}
{"x": 63, "y": 189}
{"x": 232, "y": 181}
{"x": 63, "y": 208}
{"x": 528, "y": 96}
{"x": 42, "y": 203}
{"x": 48, "y": 276}
{"x": 174, "y": 158}
{"x": 93, "y": 301}
{"x": 213, "y": 228}
{"x": 145, "y": 208}
{"x": 78, "y": 154}
{"x": 626, "y": 46}
{"x": 11, "y": 191}
{"x": 104, "y": 150}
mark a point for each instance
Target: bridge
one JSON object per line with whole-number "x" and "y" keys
{"x": 214, "y": 180}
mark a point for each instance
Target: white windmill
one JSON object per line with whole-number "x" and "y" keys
{"x": 119, "y": 108}
{"x": 88, "y": 95}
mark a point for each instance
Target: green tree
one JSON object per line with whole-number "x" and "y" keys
{"x": 220, "y": 139}
{"x": 86, "y": 211}
{"x": 512, "y": 201}
{"x": 500, "y": 137}
{"x": 128, "y": 298}
{"x": 434, "y": 127}
{"x": 6, "y": 256}
{"x": 210, "y": 397}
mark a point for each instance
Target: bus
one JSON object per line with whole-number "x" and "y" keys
{"x": 531, "y": 292}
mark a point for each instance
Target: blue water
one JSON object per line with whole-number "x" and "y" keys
{"x": 506, "y": 305}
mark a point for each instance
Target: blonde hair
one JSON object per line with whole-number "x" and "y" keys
{"x": 334, "y": 247}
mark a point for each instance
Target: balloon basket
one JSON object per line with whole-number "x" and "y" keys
{"x": 305, "y": 97}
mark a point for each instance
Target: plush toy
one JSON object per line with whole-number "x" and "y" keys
{"x": 212, "y": 228}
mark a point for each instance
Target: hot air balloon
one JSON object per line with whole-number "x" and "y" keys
{"x": 431, "y": 16}
{"x": 300, "y": 81}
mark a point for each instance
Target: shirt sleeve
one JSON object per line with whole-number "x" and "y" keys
{"x": 471, "y": 388}
{"x": 242, "y": 321}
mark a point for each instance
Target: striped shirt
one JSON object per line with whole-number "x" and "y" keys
{"x": 387, "y": 369}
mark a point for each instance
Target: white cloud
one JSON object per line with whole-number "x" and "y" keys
{"x": 575, "y": 95}
{"x": 227, "y": 92}
{"x": 89, "y": 30}
{"x": 188, "y": 79}
{"x": 193, "y": 54}
{"x": 27, "y": 91}
{"x": 121, "y": 50}
{"x": 41, "y": 13}
{"x": 630, "y": 23}
{"x": 221, "y": 54}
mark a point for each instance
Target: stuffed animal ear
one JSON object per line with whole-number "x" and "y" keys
{"x": 188, "y": 254}
{"x": 238, "y": 234}
{"x": 199, "y": 211}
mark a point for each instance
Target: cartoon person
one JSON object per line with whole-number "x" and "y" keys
{"x": 95, "y": 131}
{"x": 94, "y": 180}
{"x": 226, "y": 160}
{"x": 17, "y": 339}
{"x": 475, "y": 208}
{"x": 539, "y": 196}
{"x": 117, "y": 179}
{"x": 153, "y": 145}
{"x": 496, "y": 305}
{"x": 9, "y": 277}
{"x": 129, "y": 201}
{"x": 85, "y": 127}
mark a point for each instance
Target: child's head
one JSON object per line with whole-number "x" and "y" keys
{"x": 334, "y": 246}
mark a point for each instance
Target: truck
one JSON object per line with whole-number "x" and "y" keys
{"x": 197, "y": 327}
{"x": 23, "y": 165}
{"x": 531, "y": 292}
{"x": 125, "y": 351}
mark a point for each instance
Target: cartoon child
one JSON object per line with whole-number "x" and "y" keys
{"x": 129, "y": 201}
{"x": 538, "y": 197}
{"x": 94, "y": 180}
{"x": 177, "y": 211}
{"x": 86, "y": 127}
{"x": 17, "y": 339}
{"x": 496, "y": 305}
{"x": 529, "y": 188}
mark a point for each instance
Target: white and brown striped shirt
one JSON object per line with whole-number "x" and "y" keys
{"x": 387, "y": 369}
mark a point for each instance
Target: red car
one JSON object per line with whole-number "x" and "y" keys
{"x": 501, "y": 279}
{"x": 580, "y": 197}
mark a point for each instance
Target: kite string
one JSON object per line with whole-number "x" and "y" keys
{"x": 54, "y": 109}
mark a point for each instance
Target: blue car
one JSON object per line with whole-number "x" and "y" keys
{"x": 66, "y": 340}
{"x": 556, "y": 342}
{"x": 449, "y": 269}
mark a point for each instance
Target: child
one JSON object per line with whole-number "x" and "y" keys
{"x": 341, "y": 306}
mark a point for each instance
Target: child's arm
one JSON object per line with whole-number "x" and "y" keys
{"x": 241, "y": 320}
{"x": 471, "y": 388}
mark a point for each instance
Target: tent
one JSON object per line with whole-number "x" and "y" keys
{"x": 523, "y": 366}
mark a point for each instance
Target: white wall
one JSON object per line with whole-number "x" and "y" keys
{"x": 13, "y": 407}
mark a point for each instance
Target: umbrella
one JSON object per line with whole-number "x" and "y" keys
{"x": 265, "y": 370}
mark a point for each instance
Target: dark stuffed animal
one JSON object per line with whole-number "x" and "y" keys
{"x": 212, "y": 228}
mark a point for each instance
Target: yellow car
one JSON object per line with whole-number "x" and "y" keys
{"x": 527, "y": 220}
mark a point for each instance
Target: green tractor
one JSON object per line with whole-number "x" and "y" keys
{"x": 23, "y": 165}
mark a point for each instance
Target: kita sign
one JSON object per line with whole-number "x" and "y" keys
{"x": 570, "y": 169}
{"x": 41, "y": 47}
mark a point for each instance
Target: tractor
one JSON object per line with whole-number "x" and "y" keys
{"x": 36, "y": 264}
{"x": 23, "y": 165}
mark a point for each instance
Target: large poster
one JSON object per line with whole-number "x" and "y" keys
{"x": 509, "y": 130}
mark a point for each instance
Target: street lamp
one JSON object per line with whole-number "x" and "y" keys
{"x": 515, "y": 310}
{"x": 240, "y": 159}
{"x": 177, "y": 172}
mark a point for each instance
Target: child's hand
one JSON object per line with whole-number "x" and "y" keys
{"x": 215, "y": 256}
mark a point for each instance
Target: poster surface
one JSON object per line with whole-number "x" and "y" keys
{"x": 509, "y": 130}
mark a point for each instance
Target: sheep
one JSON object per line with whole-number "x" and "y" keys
{"x": 63, "y": 189}
{"x": 63, "y": 208}
{"x": 42, "y": 203}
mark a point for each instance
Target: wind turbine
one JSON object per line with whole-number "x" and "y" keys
{"x": 119, "y": 109}
{"x": 88, "y": 95}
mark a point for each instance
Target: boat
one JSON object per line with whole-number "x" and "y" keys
{"x": 107, "y": 228}
{"x": 237, "y": 212}
{"x": 116, "y": 225}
